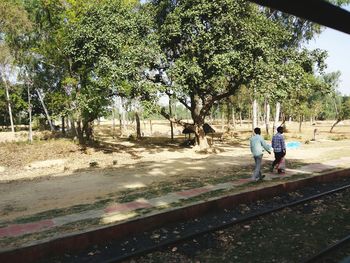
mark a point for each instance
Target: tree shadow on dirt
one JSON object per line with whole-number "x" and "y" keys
{"x": 134, "y": 147}
{"x": 108, "y": 142}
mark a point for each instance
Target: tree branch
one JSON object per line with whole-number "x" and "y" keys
{"x": 172, "y": 119}
{"x": 183, "y": 102}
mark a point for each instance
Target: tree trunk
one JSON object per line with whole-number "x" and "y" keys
{"x": 336, "y": 107}
{"x": 198, "y": 120}
{"x": 337, "y": 116}
{"x": 63, "y": 121}
{"x": 80, "y": 133}
{"x": 228, "y": 112}
{"x": 88, "y": 130}
{"x": 201, "y": 138}
{"x": 264, "y": 112}
{"x": 45, "y": 110}
{"x": 150, "y": 126}
{"x": 277, "y": 116}
{"x": 222, "y": 118}
{"x": 74, "y": 127}
{"x": 258, "y": 114}
{"x": 120, "y": 124}
{"x": 113, "y": 121}
{"x": 123, "y": 122}
{"x": 254, "y": 113}
{"x": 138, "y": 125}
{"x": 301, "y": 117}
{"x": 240, "y": 118}
{"x": 337, "y": 121}
{"x": 122, "y": 118}
{"x": 9, "y": 105}
{"x": 30, "y": 134}
{"x": 233, "y": 118}
{"x": 267, "y": 117}
{"x": 68, "y": 124}
{"x": 171, "y": 115}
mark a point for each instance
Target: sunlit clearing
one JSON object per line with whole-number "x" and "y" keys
{"x": 162, "y": 204}
{"x": 157, "y": 172}
{"x": 197, "y": 168}
{"x": 118, "y": 217}
{"x": 134, "y": 185}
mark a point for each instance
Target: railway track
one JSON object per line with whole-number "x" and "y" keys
{"x": 116, "y": 253}
{"x": 328, "y": 250}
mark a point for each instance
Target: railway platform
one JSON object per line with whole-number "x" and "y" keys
{"x": 30, "y": 241}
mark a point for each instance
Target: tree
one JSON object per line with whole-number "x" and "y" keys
{"x": 108, "y": 48}
{"x": 343, "y": 113}
{"x": 296, "y": 82}
{"x": 13, "y": 19}
{"x": 212, "y": 48}
{"x": 13, "y": 23}
{"x": 6, "y": 69}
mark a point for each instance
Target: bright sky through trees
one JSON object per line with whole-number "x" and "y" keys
{"x": 337, "y": 44}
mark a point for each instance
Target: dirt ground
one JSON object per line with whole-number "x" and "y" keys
{"x": 58, "y": 173}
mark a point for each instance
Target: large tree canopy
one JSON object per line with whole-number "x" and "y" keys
{"x": 81, "y": 54}
{"x": 210, "y": 48}
{"x": 108, "y": 47}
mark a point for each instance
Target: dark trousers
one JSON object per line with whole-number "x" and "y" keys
{"x": 278, "y": 157}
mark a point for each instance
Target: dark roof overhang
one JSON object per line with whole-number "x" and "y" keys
{"x": 317, "y": 11}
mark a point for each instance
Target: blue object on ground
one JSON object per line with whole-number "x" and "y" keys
{"x": 293, "y": 145}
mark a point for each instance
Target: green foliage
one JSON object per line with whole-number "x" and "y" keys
{"x": 13, "y": 18}
{"x": 108, "y": 47}
{"x": 18, "y": 104}
{"x": 150, "y": 109}
{"x": 82, "y": 53}
{"x": 110, "y": 39}
{"x": 344, "y": 112}
{"x": 211, "y": 48}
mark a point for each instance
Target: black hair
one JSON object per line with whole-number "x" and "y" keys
{"x": 280, "y": 129}
{"x": 257, "y": 131}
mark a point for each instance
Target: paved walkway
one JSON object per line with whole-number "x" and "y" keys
{"x": 123, "y": 211}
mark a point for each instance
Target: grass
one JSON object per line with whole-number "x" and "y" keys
{"x": 340, "y": 137}
{"x": 57, "y": 213}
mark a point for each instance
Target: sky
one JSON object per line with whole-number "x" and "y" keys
{"x": 338, "y": 46}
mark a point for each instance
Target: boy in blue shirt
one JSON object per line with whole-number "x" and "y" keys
{"x": 257, "y": 146}
{"x": 279, "y": 148}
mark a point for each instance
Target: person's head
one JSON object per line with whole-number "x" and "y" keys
{"x": 280, "y": 129}
{"x": 257, "y": 131}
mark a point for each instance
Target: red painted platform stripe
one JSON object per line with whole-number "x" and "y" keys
{"x": 21, "y": 229}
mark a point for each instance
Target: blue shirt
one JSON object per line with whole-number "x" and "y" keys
{"x": 258, "y": 144}
{"x": 278, "y": 143}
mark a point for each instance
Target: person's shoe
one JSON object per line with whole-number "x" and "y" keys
{"x": 262, "y": 177}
